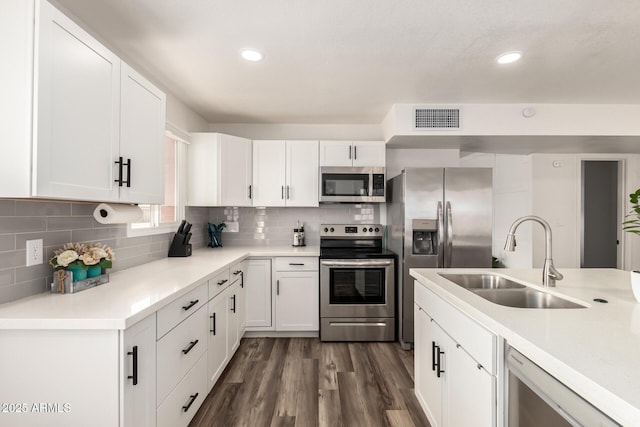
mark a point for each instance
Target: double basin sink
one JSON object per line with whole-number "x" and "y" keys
{"x": 503, "y": 291}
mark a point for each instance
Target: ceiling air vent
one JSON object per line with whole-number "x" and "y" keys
{"x": 436, "y": 118}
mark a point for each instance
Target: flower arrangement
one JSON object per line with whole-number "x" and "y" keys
{"x": 83, "y": 256}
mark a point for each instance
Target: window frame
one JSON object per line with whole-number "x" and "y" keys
{"x": 181, "y": 193}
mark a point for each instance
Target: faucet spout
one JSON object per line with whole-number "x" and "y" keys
{"x": 549, "y": 273}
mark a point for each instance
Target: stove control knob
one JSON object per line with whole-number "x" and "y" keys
{"x": 326, "y": 229}
{"x": 364, "y": 230}
{"x": 377, "y": 229}
{"x": 370, "y": 229}
{"x": 332, "y": 229}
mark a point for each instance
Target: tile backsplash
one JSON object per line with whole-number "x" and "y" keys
{"x": 274, "y": 226}
{"x": 58, "y": 223}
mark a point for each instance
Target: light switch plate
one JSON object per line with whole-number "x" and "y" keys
{"x": 34, "y": 252}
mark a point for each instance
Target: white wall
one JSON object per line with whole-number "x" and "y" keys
{"x": 400, "y": 158}
{"x": 362, "y": 132}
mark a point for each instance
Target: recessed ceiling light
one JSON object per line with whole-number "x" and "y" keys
{"x": 509, "y": 57}
{"x": 251, "y": 55}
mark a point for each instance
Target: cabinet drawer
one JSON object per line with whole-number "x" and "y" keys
{"x": 480, "y": 343}
{"x": 180, "y": 309}
{"x": 296, "y": 263}
{"x": 175, "y": 411}
{"x": 219, "y": 283}
{"x": 179, "y": 350}
{"x": 236, "y": 271}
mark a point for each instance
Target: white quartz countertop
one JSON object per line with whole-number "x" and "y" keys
{"x": 131, "y": 294}
{"x": 595, "y": 351}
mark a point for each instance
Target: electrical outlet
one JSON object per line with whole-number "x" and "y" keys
{"x": 34, "y": 252}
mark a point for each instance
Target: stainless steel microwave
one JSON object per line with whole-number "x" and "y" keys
{"x": 352, "y": 184}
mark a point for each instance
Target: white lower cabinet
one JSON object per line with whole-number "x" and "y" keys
{"x": 257, "y": 284}
{"x": 138, "y": 373}
{"x": 297, "y": 294}
{"x": 183, "y": 402}
{"x": 454, "y": 383}
{"x": 218, "y": 350}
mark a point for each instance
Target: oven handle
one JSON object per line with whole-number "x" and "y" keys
{"x": 358, "y": 263}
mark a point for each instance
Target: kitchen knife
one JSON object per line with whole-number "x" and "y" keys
{"x": 187, "y": 238}
{"x": 187, "y": 229}
{"x": 182, "y": 225}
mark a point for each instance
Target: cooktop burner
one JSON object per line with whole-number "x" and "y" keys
{"x": 352, "y": 241}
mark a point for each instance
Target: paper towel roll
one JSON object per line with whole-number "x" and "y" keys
{"x": 117, "y": 214}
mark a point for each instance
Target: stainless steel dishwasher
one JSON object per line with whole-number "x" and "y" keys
{"x": 535, "y": 398}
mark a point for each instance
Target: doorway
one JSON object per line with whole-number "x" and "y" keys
{"x": 600, "y": 245}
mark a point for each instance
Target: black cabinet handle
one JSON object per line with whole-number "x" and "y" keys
{"x": 355, "y": 152}
{"x": 213, "y": 318}
{"x": 233, "y": 298}
{"x": 288, "y": 196}
{"x": 235, "y": 273}
{"x": 296, "y": 263}
{"x": 190, "y": 347}
{"x": 128, "y": 165}
{"x": 222, "y": 282}
{"x": 282, "y": 192}
{"x": 277, "y": 287}
{"x": 191, "y": 304}
{"x": 119, "y": 162}
{"x": 349, "y": 152}
{"x": 192, "y": 399}
{"x": 249, "y": 192}
{"x": 433, "y": 355}
{"x": 440, "y": 371}
{"x": 134, "y": 353}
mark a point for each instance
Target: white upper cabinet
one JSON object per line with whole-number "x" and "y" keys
{"x": 219, "y": 170}
{"x": 80, "y": 109}
{"x": 285, "y": 173}
{"x": 142, "y": 128}
{"x": 76, "y": 106}
{"x": 302, "y": 173}
{"x": 352, "y": 153}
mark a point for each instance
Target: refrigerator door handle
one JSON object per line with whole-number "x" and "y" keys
{"x": 440, "y": 236}
{"x": 449, "y": 253}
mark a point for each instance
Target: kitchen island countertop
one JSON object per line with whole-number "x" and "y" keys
{"x": 594, "y": 351}
{"x": 134, "y": 293}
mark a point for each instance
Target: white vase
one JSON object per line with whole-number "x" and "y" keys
{"x": 635, "y": 284}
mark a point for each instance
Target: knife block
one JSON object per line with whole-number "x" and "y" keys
{"x": 178, "y": 247}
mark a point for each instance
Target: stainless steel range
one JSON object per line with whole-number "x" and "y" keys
{"x": 357, "y": 284}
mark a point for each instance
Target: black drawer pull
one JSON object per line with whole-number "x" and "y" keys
{"x": 234, "y": 303}
{"x": 235, "y": 273}
{"x": 191, "y": 304}
{"x": 119, "y": 162}
{"x": 439, "y": 371}
{"x": 128, "y": 165}
{"x": 192, "y": 399}
{"x": 134, "y": 353}
{"x": 213, "y": 317}
{"x": 433, "y": 355}
{"x": 296, "y": 263}
{"x": 222, "y": 282}
{"x": 191, "y": 345}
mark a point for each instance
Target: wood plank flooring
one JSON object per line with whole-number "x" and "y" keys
{"x": 304, "y": 382}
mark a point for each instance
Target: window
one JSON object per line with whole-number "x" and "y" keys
{"x": 165, "y": 218}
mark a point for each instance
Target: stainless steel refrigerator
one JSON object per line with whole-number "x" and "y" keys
{"x": 437, "y": 218}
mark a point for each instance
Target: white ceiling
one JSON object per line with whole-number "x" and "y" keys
{"x": 348, "y": 61}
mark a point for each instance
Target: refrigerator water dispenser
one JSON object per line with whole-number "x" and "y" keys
{"x": 425, "y": 237}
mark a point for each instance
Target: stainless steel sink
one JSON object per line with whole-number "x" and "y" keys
{"x": 503, "y": 291}
{"x": 525, "y": 298}
{"x": 481, "y": 281}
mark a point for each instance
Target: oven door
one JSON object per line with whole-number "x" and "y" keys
{"x": 357, "y": 288}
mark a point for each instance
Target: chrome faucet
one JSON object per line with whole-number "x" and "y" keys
{"x": 549, "y": 272}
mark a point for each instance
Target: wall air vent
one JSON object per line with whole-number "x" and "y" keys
{"x": 436, "y": 118}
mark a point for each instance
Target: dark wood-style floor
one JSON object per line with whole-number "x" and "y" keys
{"x": 304, "y": 382}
